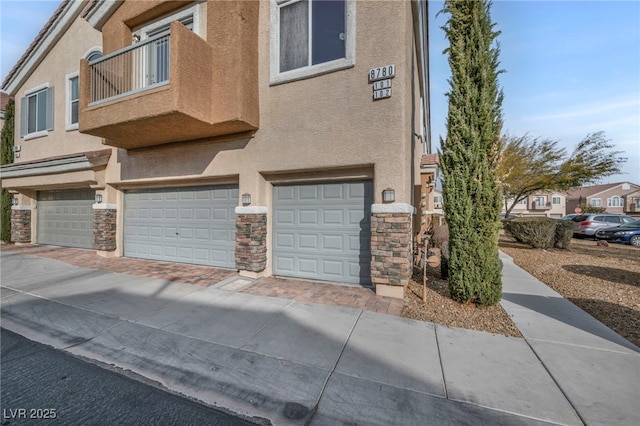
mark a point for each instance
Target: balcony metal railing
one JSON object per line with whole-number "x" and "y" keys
{"x": 139, "y": 67}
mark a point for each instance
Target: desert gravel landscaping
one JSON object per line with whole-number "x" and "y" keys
{"x": 604, "y": 281}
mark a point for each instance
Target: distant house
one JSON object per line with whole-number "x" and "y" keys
{"x": 620, "y": 197}
{"x": 549, "y": 204}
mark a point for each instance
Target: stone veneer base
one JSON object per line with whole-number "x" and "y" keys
{"x": 391, "y": 260}
{"x": 251, "y": 241}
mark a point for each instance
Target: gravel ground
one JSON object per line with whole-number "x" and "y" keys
{"x": 604, "y": 281}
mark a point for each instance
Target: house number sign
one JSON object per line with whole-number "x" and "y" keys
{"x": 381, "y": 79}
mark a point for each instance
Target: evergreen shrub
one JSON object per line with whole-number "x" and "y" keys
{"x": 538, "y": 232}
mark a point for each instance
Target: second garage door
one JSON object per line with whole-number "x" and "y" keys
{"x": 189, "y": 225}
{"x": 323, "y": 231}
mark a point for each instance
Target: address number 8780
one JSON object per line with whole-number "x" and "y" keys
{"x": 380, "y": 73}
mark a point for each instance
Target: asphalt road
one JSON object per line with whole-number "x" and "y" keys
{"x": 42, "y": 385}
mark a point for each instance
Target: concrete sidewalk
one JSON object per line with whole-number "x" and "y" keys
{"x": 302, "y": 363}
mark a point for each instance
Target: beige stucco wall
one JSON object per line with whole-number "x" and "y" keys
{"x": 321, "y": 124}
{"x": 64, "y": 58}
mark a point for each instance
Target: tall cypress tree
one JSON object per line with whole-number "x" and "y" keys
{"x": 471, "y": 151}
{"x": 6, "y": 138}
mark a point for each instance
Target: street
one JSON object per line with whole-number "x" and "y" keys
{"x": 42, "y": 385}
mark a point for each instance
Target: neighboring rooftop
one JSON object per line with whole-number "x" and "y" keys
{"x": 588, "y": 191}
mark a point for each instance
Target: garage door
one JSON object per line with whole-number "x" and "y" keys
{"x": 322, "y": 231}
{"x": 65, "y": 218}
{"x": 189, "y": 225}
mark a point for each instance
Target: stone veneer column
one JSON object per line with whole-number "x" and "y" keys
{"x": 104, "y": 226}
{"x": 251, "y": 239}
{"x": 21, "y": 224}
{"x": 391, "y": 232}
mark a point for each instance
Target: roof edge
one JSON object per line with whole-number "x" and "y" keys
{"x": 100, "y": 12}
{"x": 52, "y": 31}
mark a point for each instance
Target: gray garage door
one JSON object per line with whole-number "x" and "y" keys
{"x": 189, "y": 225}
{"x": 65, "y": 218}
{"x": 322, "y": 231}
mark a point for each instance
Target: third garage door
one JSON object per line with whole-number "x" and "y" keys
{"x": 322, "y": 231}
{"x": 189, "y": 225}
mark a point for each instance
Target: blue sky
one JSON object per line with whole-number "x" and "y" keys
{"x": 571, "y": 68}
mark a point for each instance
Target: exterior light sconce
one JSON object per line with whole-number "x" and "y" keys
{"x": 246, "y": 199}
{"x": 388, "y": 195}
{"x": 14, "y": 201}
{"x": 135, "y": 38}
{"x": 98, "y": 198}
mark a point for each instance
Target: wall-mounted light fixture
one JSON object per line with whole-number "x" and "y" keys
{"x": 98, "y": 198}
{"x": 246, "y": 199}
{"x": 135, "y": 38}
{"x": 14, "y": 201}
{"x": 388, "y": 195}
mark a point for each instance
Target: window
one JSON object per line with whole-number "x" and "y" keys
{"x": 522, "y": 201}
{"x": 437, "y": 199}
{"x": 541, "y": 201}
{"x": 556, "y": 201}
{"x": 311, "y": 37}
{"x": 595, "y": 202}
{"x": 612, "y": 219}
{"x": 156, "y": 53}
{"x": 36, "y": 112}
{"x": 72, "y": 101}
{"x": 614, "y": 201}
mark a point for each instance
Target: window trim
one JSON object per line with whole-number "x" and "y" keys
{"x": 553, "y": 200}
{"x": 69, "y": 126}
{"x": 615, "y": 197}
{"x": 349, "y": 61}
{"x": 192, "y": 11}
{"x": 24, "y": 112}
{"x": 599, "y": 202}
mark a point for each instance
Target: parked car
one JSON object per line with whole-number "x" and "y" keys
{"x": 569, "y": 216}
{"x": 588, "y": 224}
{"x": 628, "y": 233}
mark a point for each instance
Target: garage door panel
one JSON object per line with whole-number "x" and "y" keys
{"x": 190, "y": 225}
{"x": 332, "y": 217}
{"x": 308, "y": 241}
{"x": 333, "y": 192}
{"x": 318, "y": 231}
{"x": 334, "y": 242}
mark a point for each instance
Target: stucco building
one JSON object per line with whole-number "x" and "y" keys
{"x": 272, "y": 137}
{"x": 618, "y": 197}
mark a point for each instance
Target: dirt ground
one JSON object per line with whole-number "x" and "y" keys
{"x": 604, "y": 281}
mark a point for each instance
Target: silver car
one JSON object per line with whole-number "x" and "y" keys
{"x": 586, "y": 225}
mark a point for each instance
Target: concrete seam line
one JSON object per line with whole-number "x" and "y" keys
{"x": 444, "y": 380}
{"x": 313, "y": 411}
{"x": 266, "y": 325}
{"x": 555, "y": 381}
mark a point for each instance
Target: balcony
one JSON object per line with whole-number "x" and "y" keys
{"x": 162, "y": 90}
{"x": 541, "y": 205}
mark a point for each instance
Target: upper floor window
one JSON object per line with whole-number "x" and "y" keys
{"x": 522, "y": 201}
{"x": 556, "y": 201}
{"x": 155, "y": 54}
{"x": 541, "y": 200}
{"x": 36, "y": 112}
{"x": 614, "y": 201}
{"x": 596, "y": 202}
{"x": 72, "y": 101}
{"x": 311, "y": 37}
